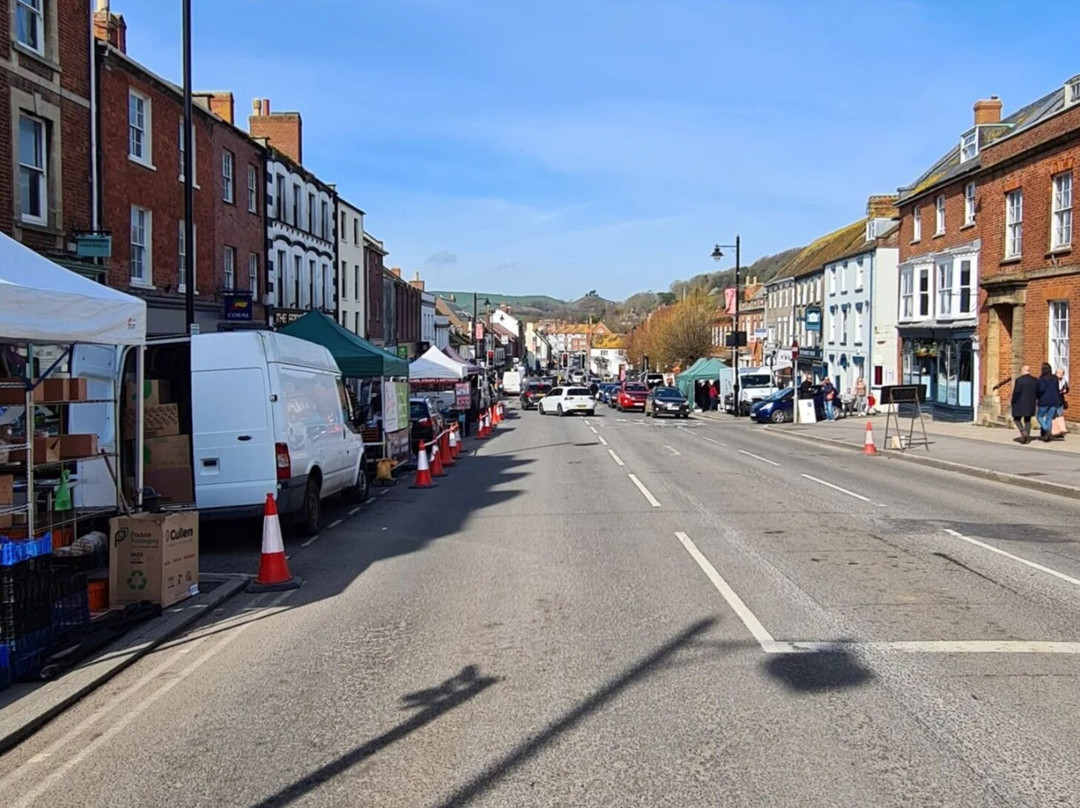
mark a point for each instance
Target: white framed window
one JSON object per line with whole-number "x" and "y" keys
{"x": 939, "y": 215}
{"x": 356, "y": 282}
{"x": 228, "y": 186}
{"x": 969, "y": 145}
{"x": 1059, "y": 335}
{"x": 860, "y": 274}
{"x": 295, "y": 206}
{"x": 30, "y": 25}
{"x": 139, "y": 131}
{"x": 229, "y": 260}
{"x": 298, "y": 270}
{"x": 969, "y": 203}
{"x": 1061, "y": 210}
{"x": 281, "y": 274}
{"x": 311, "y": 213}
{"x": 140, "y": 258}
{"x": 253, "y": 276}
{"x": 327, "y": 292}
{"x": 916, "y": 223}
{"x": 279, "y": 200}
{"x": 311, "y": 302}
{"x": 325, "y": 221}
{"x": 182, "y": 254}
{"x": 832, "y": 324}
{"x": 923, "y": 279}
{"x": 356, "y": 231}
{"x": 1014, "y": 223}
{"x": 1072, "y": 91}
{"x": 181, "y": 144}
{"x": 33, "y": 171}
{"x": 966, "y": 296}
{"x": 253, "y": 189}
{"x": 832, "y": 281}
{"x": 843, "y": 277}
{"x": 860, "y": 324}
{"x": 944, "y": 288}
{"x": 845, "y": 311}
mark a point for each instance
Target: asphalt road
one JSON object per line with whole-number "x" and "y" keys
{"x": 618, "y": 612}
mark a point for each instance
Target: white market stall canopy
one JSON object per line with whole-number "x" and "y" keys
{"x": 435, "y": 365}
{"x": 43, "y": 302}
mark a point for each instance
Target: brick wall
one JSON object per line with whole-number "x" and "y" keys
{"x": 284, "y": 130}
{"x": 375, "y": 274}
{"x": 955, "y": 234}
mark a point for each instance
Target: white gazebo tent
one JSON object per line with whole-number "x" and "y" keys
{"x": 434, "y": 365}
{"x": 42, "y": 303}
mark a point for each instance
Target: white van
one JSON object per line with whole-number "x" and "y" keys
{"x": 511, "y": 382}
{"x": 267, "y": 414}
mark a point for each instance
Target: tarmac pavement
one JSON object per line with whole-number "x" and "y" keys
{"x": 618, "y": 611}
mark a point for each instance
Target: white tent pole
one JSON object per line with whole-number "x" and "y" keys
{"x": 140, "y": 424}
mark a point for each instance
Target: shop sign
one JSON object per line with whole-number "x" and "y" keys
{"x": 238, "y": 306}
{"x": 395, "y": 404}
{"x": 403, "y": 351}
{"x": 93, "y": 245}
{"x": 287, "y": 316}
{"x": 813, "y": 319}
{"x": 462, "y": 396}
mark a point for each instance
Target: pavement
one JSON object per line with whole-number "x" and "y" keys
{"x": 615, "y": 611}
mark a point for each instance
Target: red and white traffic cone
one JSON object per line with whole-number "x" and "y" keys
{"x": 496, "y": 416}
{"x": 502, "y": 412}
{"x": 273, "y": 566}
{"x": 868, "y": 444}
{"x": 482, "y": 433}
{"x": 455, "y": 447}
{"x": 436, "y": 460}
{"x": 444, "y": 447}
{"x": 423, "y": 470}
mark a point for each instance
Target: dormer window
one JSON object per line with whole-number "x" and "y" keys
{"x": 1072, "y": 91}
{"x": 969, "y": 145}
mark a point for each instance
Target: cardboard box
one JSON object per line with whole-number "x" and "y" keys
{"x": 46, "y": 450}
{"x": 77, "y": 389}
{"x": 6, "y": 521}
{"x": 155, "y": 392}
{"x": 169, "y": 452}
{"x": 153, "y": 556}
{"x": 174, "y": 486}
{"x": 7, "y": 489}
{"x": 47, "y": 391}
{"x": 78, "y": 446}
{"x": 159, "y": 421}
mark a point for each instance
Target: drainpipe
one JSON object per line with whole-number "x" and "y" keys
{"x": 868, "y": 332}
{"x": 95, "y": 218}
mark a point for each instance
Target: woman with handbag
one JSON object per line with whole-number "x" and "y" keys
{"x": 1059, "y": 418}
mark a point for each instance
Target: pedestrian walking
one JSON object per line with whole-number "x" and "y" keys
{"x": 713, "y": 393}
{"x": 828, "y": 393}
{"x": 1024, "y": 395}
{"x": 1049, "y": 399}
{"x": 861, "y": 406}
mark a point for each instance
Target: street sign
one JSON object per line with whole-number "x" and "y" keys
{"x": 93, "y": 245}
{"x": 813, "y": 319}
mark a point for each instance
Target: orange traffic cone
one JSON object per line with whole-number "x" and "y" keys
{"x": 455, "y": 447}
{"x": 436, "y": 460}
{"x": 423, "y": 470}
{"x": 482, "y": 433}
{"x": 498, "y": 414}
{"x": 868, "y": 445}
{"x": 273, "y": 566}
{"x": 444, "y": 447}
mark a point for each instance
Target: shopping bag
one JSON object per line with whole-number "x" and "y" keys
{"x": 1058, "y": 426}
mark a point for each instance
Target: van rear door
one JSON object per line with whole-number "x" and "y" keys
{"x": 233, "y": 441}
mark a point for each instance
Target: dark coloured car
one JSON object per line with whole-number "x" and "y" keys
{"x": 780, "y": 406}
{"x": 533, "y": 392}
{"x": 666, "y": 401}
{"x": 425, "y": 419}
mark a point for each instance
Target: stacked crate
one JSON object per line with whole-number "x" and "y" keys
{"x": 26, "y": 605}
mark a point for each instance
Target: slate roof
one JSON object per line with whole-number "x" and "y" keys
{"x": 949, "y": 167}
{"x": 815, "y": 255}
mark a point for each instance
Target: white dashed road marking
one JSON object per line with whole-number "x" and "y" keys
{"x": 673, "y": 450}
{"x": 843, "y": 491}
{"x": 601, "y": 439}
{"x": 763, "y": 459}
{"x": 1062, "y": 576}
{"x": 615, "y": 457}
{"x": 645, "y": 492}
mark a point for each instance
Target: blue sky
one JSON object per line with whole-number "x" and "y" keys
{"x": 570, "y": 145}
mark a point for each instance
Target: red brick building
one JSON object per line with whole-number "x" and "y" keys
{"x": 142, "y": 196}
{"x": 374, "y": 256}
{"x": 46, "y": 181}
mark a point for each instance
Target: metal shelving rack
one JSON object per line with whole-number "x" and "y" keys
{"x": 75, "y": 515}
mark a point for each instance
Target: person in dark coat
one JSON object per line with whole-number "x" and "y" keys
{"x": 1024, "y": 395}
{"x": 1048, "y": 391}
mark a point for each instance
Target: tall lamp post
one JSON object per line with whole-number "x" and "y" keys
{"x": 717, "y": 254}
{"x": 189, "y": 179}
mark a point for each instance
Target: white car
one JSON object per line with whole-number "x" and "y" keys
{"x": 565, "y": 400}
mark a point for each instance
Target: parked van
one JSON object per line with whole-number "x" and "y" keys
{"x": 511, "y": 382}
{"x": 267, "y": 414}
{"x": 755, "y": 384}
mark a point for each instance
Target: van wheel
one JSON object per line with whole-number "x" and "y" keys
{"x": 307, "y": 520}
{"x": 359, "y": 491}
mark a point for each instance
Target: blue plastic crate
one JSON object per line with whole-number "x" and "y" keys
{"x": 27, "y": 652}
{"x": 12, "y": 551}
{"x": 70, "y": 611}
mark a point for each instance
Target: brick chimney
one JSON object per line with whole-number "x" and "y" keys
{"x": 882, "y": 206}
{"x": 283, "y": 130}
{"x": 416, "y": 283}
{"x": 109, "y": 27}
{"x": 395, "y": 271}
{"x": 219, "y": 102}
{"x": 988, "y": 110}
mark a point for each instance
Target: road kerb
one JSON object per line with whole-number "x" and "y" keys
{"x": 1043, "y": 486}
{"x": 25, "y": 716}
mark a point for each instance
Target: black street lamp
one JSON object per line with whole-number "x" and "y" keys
{"x": 736, "y": 335}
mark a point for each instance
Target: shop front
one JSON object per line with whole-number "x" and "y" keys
{"x": 812, "y": 364}
{"x": 943, "y": 361}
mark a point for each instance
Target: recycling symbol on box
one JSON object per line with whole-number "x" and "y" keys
{"x": 136, "y": 580}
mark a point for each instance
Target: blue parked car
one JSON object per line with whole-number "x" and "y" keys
{"x": 779, "y": 407}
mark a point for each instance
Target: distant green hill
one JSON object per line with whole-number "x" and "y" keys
{"x": 541, "y": 303}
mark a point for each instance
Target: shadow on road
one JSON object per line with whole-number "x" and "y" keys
{"x": 818, "y": 671}
{"x": 431, "y": 703}
{"x": 655, "y": 661}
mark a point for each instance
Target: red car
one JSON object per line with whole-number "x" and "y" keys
{"x": 632, "y": 396}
